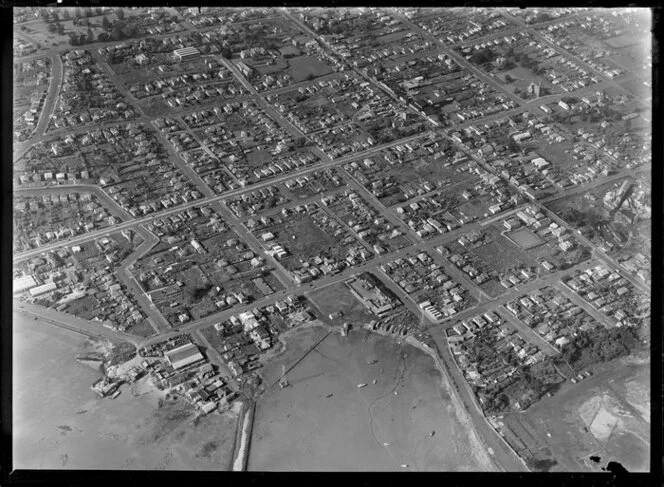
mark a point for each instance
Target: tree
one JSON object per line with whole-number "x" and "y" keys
{"x": 65, "y": 14}
{"x": 105, "y": 23}
{"x": 78, "y": 13}
{"x": 61, "y": 29}
{"x": 120, "y": 14}
{"x": 117, "y": 33}
{"x": 51, "y": 28}
{"x": 91, "y": 36}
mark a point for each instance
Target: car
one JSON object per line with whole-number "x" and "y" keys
{"x": 587, "y": 373}
{"x": 579, "y": 377}
{"x": 573, "y": 380}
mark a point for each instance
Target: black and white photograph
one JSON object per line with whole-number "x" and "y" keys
{"x": 331, "y": 239}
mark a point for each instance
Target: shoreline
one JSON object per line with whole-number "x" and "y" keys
{"x": 276, "y": 353}
{"x": 483, "y": 455}
{"x": 445, "y": 383}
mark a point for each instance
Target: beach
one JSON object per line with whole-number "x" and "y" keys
{"x": 323, "y": 422}
{"x": 59, "y": 422}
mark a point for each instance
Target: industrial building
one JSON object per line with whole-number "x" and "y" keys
{"x": 43, "y": 289}
{"x": 184, "y": 356}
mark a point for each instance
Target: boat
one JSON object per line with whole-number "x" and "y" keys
{"x": 329, "y": 396}
{"x": 404, "y": 465}
{"x": 374, "y": 381}
{"x": 371, "y": 362}
{"x": 115, "y": 394}
{"x": 360, "y": 386}
{"x": 386, "y": 444}
{"x": 432, "y": 433}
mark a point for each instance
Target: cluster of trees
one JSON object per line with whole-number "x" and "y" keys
{"x": 484, "y": 56}
{"x": 513, "y": 57}
{"x": 116, "y": 31}
{"x": 194, "y": 294}
{"x": 601, "y": 345}
{"x": 580, "y": 218}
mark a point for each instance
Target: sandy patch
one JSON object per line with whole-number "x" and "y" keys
{"x": 604, "y": 423}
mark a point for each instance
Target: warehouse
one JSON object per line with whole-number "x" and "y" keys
{"x": 184, "y": 356}
{"x": 44, "y": 288}
{"x": 186, "y": 53}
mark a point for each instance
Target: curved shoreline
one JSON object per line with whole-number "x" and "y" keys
{"x": 463, "y": 417}
{"x": 482, "y": 451}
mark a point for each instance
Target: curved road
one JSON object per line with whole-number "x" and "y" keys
{"x": 110, "y": 203}
{"x": 49, "y": 105}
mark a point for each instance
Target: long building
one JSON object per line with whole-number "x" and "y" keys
{"x": 186, "y": 53}
{"x": 184, "y": 356}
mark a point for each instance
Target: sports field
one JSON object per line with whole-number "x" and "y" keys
{"x": 525, "y": 239}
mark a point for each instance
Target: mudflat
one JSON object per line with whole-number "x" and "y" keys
{"x": 323, "y": 422}
{"x": 59, "y": 422}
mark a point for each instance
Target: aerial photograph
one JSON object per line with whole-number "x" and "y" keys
{"x": 345, "y": 239}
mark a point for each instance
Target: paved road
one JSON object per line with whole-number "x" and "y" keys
{"x": 461, "y": 61}
{"x": 110, "y": 203}
{"x": 505, "y": 458}
{"x": 583, "y": 304}
{"x": 608, "y": 260}
{"x": 502, "y": 454}
{"x": 204, "y": 201}
{"x": 124, "y": 273}
{"x": 53, "y": 94}
{"x": 584, "y": 188}
{"x": 527, "y": 333}
{"x": 50, "y": 102}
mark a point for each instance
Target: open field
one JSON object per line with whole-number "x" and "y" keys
{"x": 323, "y": 422}
{"x": 338, "y": 297}
{"x": 606, "y": 416}
{"x": 59, "y": 422}
{"x": 307, "y": 67}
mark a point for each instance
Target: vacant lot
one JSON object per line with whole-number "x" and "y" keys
{"x": 501, "y": 254}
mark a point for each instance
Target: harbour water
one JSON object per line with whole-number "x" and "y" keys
{"x": 403, "y": 419}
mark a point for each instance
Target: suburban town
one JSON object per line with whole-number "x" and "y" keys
{"x": 215, "y": 196}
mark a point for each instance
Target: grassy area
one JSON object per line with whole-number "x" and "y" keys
{"x": 143, "y": 329}
{"x": 502, "y": 255}
{"x": 307, "y": 67}
{"x": 338, "y": 297}
{"x": 303, "y": 238}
